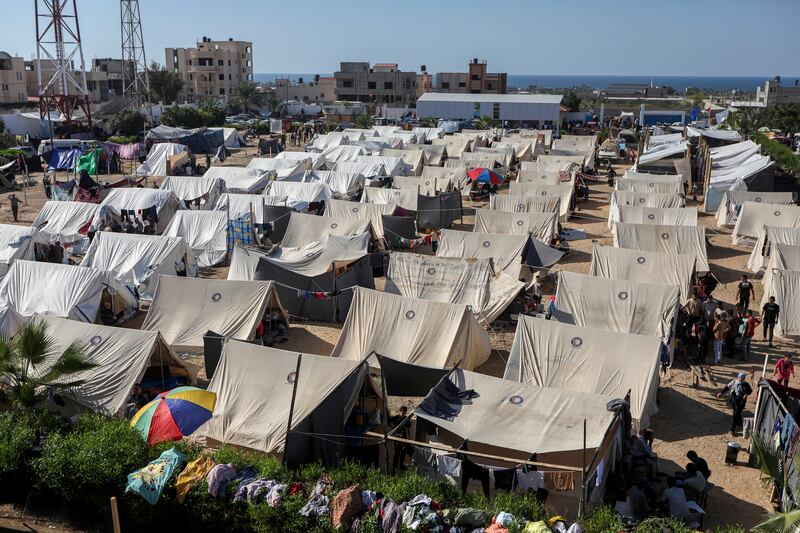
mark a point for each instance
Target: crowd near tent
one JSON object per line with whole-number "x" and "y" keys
{"x": 567, "y": 357}
{"x": 64, "y": 222}
{"x": 675, "y": 240}
{"x": 138, "y": 260}
{"x": 205, "y": 233}
{"x": 194, "y": 191}
{"x": 185, "y": 309}
{"x": 472, "y": 282}
{"x": 732, "y": 201}
{"x": 123, "y": 358}
{"x": 16, "y": 242}
{"x": 136, "y": 203}
{"x": 239, "y": 179}
{"x": 754, "y": 216}
{"x": 261, "y": 391}
{"x": 644, "y": 267}
{"x": 31, "y": 288}
{"x": 768, "y": 238}
{"x": 418, "y": 332}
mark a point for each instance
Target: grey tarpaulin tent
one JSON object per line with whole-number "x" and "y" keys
{"x": 440, "y": 211}
{"x": 276, "y": 401}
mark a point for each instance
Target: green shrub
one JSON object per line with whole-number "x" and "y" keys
{"x": 124, "y": 139}
{"x": 602, "y": 519}
{"x": 782, "y": 154}
{"x": 89, "y": 464}
{"x": 17, "y": 442}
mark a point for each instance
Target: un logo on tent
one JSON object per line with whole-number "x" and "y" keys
{"x": 641, "y": 260}
{"x": 334, "y": 225}
{"x": 216, "y": 297}
{"x": 486, "y": 244}
{"x": 521, "y": 206}
{"x": 576, "y": 342}
{"x": 665, "y": 236}
{"x": 544, "y": 193}
{"x": 97, "y": 339}
{"x": 651, "y": 216}
{"x": 355, "y": 210}
{"x": 410, "y": 315}
{"x": 777, "y": 213}
{"x": 516, "y": 400}
{"x": 427, "y": 183}
{"x": 641, "y": 200}
{"x": 520, "y": 222}
{"x": 622, "y": 295}
{"x": 431, "y": 271}
{"x": 651, "y": 184}
{"x": 291, "y": 378}
{"x": 757, "y": 199}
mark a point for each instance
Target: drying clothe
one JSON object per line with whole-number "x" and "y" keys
{"x": 559, "y": 481}
{"x": 504, "y": 478}
{"x": 531, "y": 480}
{"x": 390, "y": 516}
{"x": 368, "y": 497}
{"x": 195, "y": 472}
{"x": 419, "y": 499}
{"x": 246, "y": 476}
{"x": 536, "y": 527}
{"x": 446, "y": 399}
{"x": 323, "y": 485}
{"x": 345, "y": 505}
{"x": 786, "y": 431}
{"x": 418, "y": 513}
{"x": 470, "y": 518}
{"x": 470, "y": 470}
{"x": 275, "y": 496}
{"x": 149, "y": 481}
{"x": 504, "y": 519}
{"x": 257, "y": 490}
{"x": 219, "y": 477}
{"x": 449, "y": 468}
{"x": 425, "y": 461}
{"x": 495, "y": 528}
{"x": 317, "y": 506}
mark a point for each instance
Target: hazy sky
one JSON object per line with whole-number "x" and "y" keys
{"x": 585, "y": 37}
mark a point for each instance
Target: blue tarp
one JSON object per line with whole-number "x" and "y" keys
{"x": 64, "y": 159}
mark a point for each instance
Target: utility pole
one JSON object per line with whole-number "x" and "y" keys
{"x": 135, "y": 79}
{"x": 58, "y": 46}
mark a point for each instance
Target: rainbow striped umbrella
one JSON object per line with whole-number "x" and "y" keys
{"x": 174, "y": 414}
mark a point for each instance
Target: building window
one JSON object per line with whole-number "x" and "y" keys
{"x": 229, "y": 62}
{"x": 190, "y": 62}
{"x": 496, "y": 111}
{"x": 445, "y": 85}
{"x": 222, "y": 90}
{"x": 462, "y": 84}
{"x": 475, "y": 77}
{"x": 175, "y": 59}
{"x": 371, "y": 85}
{"x": 249, "y": 49}
{"x": 220, "y": 63}
{"x": 222, "y": 77}
{"x": 347, "y": 83}
{"x": 191, "y": 77}
{"x": 216, "y": 47}
{"x": 230, "y": 77}
{"x": 249, "y": 77}
{"x": 388, "y": 85}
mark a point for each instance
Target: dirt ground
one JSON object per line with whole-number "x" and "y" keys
{"x": 688, "y": 419}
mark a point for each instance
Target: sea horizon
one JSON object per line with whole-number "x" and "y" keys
{"x": 558, "y": 81}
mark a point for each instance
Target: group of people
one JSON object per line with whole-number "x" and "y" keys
{"x": 302, "y": 135}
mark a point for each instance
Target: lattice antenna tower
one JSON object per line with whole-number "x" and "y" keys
{"x": 135, "y": 80}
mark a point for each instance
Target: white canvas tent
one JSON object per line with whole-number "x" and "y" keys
{"x": 299, "y": 194}
{"x": 239, "y": 179}
{"x": 305, "y": 229}
{"x": 735, "y": 178}
{"x": 562, "y": 192}
{"x": 282, "y": 169}
{"x": 190, "y": 188}
{"x": 768, "y": 238}
{"x": 656, "y": 184}
{"x": 543, "y": 226}
{"x": 732, "y": 201}
{"x": 341, "y": 209}
{"x": 617, "y": 305}
{"x": 435, "y": 154}
{"x": 783, "y": 257}
{"x": 510, "y": 203}
{"x": 231, "y": 137}
{"x": 413, "y": 160}
{"x": 185, "y": 309}
{"x": 30, "y": 288}
{"x": 122, "y": 357}
{"x": 239, "y": 205}
{"x": 138, "y": 200}
{"x": 317, "y": 160}
{"x": 404, "y": 198}
{"x": 644, "y": 267}
{"x": 261, "y": 391}
{"x": 64, "y": 222}
{"x": 620, "y": 198}
{"x": 454, "y": 280}
{"x": 424, "y": 186}
{"x": 138, "y": 260}
{"x": 368, "y": 169}
{"x": 341, "y": 153}
{"x": 754, "y": 216}
{"x": 665, "y": 216}
{"x": 16, "y": 242}
{"x": 687, "y": 240}
{"x": 157, "y": 159}
{"x": 551, "y": 177}
{"x": 785, "y": 287}
{"x": 418, "y": 332}
{"x": 505, "y": 250}
{"x": 573, "y": 358}
{"x": 342, "y": 184}
{"x": 205, "y": 232}
{"x": 456, "y": 175}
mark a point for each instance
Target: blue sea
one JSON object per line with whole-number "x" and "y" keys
{"x": 545, "y": 81}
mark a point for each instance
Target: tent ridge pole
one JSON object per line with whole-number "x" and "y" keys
{"x": 291, "y": 406}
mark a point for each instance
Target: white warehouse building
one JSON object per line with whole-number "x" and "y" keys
{"x": 541, "y": 110}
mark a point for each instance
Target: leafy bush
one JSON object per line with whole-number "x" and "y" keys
{"x": 190, "y": 117}
{"x": 128, "y": 122}
{"x": 91, "y": 463}
{"x": 782, "y": 154}
{"x": 602, "y": 519}
{"x": 17, "y": 441}
{"x": 124, "y": 139}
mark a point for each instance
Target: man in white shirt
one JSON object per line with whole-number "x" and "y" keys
{"x": 675, "y": 499}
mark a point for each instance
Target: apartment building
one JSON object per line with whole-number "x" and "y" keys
{"x": 379, "y": 83}
{"x": 212, "y": 68}
{"x": 320, "y": 90}
{"x": 103, "y": 79}
{"x": 775, "y": 93}
{"x": 13, "y": 89}
{"x": 477, "y": 80}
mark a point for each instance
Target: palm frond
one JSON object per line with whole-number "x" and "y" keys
{"x": 769, "y": 461}
{"x": 786, "y": 522}
{"x": 71, "y": 361}
{"x": 33, "y": 344}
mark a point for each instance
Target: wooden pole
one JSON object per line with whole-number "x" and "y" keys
{"x": 291, "y": 407}
{"x": 115, "y": 515}
{"x": 582, "y": 503}
{"x": 389, "y": 466}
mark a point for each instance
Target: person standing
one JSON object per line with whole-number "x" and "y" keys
{"x": 784, "y": 370}
{"x": 14, "y": 201}
{"x": 769, "y": 317}
{"x": 694, "y": 308}
{"x": 709, "y": 308}
{"x": 720, "y": 331}
{"x": 737, "y": 390}
{"x": 750, "y": 323}
{"x": 744, "y": 292}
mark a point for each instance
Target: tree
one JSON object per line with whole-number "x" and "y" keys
{"x": 697, "y": 99}
{"x": 364, "y": 121}
{"x": 2, "y": 126}
{"x": 128, "y": 122}
{"x": 571, "y": 101}
{"x": 212, "y": 113}
{"x": 776, "y": 474}
{"x": 22, "y": 362}
{"x": 164, "y": 84}
{"x": 747, "y": 120}
{"x": 485, "y": 123}
{"x": 247, "y": 96}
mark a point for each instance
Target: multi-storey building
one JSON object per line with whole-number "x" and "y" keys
{"x": 381, "y": 83}
{"x": 320, "y": 90}
{"x": 475, "y": 81}
{"x": 212, "y": 68}
{"x": 13, "y": 89}
{"x": 775, "y": 93}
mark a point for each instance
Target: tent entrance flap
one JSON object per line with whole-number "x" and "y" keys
{"x": 406, "y": 379}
